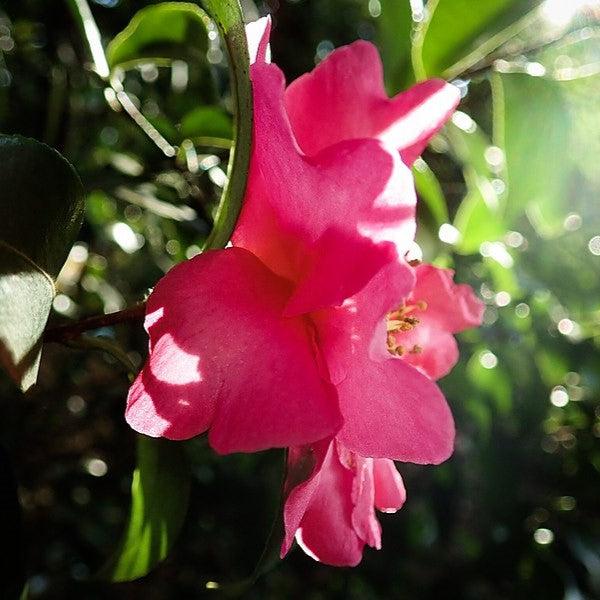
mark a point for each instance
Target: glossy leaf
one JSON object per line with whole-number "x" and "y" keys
{"x": 457, "y": 34}
{"x": 41, "y": 209}
{"x": 161, "y": 32}
{"x": 533, "y": 130}
{"x": 159, "y": 500}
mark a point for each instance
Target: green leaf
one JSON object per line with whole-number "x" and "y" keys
{"x": 394, "y": 28}
{"x": 494, "y": 382}
{"x": 159, "y": 500}
{"x": 469, "y": 144}
{"x": 161, "y": 32}
{"x": 457, "y": 34}
{"x": 41, "y": 209}
{"x": 430, "y": 191}
{"x": 207, "y": 121}
{"x": 478, "y": 218}
{"x": 533, "y": 127}
{"x": 228, "y": 16}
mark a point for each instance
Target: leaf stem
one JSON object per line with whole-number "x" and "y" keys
{"x": 72, "y": 331}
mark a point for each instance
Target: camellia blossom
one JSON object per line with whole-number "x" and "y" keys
{"x": 280, "y": 340}
{"x": 331, "y": 492}
{"x": 331, "y": 513}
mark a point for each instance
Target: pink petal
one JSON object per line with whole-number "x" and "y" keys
{"x": 223, "y": 357}
{"x": 391, "y": 410}
{"x": 349, "y": 330}
{"x": 344, "y": 98}
{"x": 438, "y": 348}
{"x": 452, "y": 307}
{"x": 357, "y": 192}
{"x": 304, "y": 464}
{"x": 390, "y": 494}
{"x": 364, "y": 521}
{"x": 326, "y": 532}
{"x": 257, "y": 35}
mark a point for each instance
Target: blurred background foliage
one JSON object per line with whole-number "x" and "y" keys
{"x": 509, "y": 198}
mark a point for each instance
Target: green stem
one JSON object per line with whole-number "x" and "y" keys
{"x": 88, "y": 342}
{"x": 490, "y": 45}
{"x": 83, "y": 15}
{"x": 227, "y": 15}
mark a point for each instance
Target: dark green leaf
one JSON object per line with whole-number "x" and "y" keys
{"x": 161, "y": 32}
{"x": 533, "y": 130}
{"x": 41, "y": 208}
{"x": 159, "y": 501}
{"x": 394, "y": 27}
{"x": 207, "y": 121}
{"x": 457, "y": 34}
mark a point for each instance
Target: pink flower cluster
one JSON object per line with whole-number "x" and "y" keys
{"x": 312, "y": 332}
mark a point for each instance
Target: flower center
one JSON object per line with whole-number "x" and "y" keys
{"x": 399, "y": 321}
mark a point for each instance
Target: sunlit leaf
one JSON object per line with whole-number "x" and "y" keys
{"x": 533, "y": 130}
{"x": 503, "y": 277}
{"x": 477, "y": 217}
{"x": 457, "y": 34}
{"x": 494, "y": 382}
{"x": 41, "y": 208}
{"x": 430, "y": 191}
{"x": 159, "y": 501}
{"x": 161, "y": 32}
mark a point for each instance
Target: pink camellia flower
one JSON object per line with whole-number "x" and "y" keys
{"x": 332, "y": 492}
{"x": 278, "y": 340}
{"x": 331, "y": 513}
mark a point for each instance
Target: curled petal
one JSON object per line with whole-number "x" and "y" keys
{"x": 224, "y": 358}
{"x": 390, "y": 493}
{"x": 364, "y": 521}
{"x": 323, "y": 507}
{"x": 257, "y": 34}
{"x": 343, "y": 98}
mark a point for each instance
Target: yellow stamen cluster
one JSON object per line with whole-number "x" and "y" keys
{"x": 401, "y": 320}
